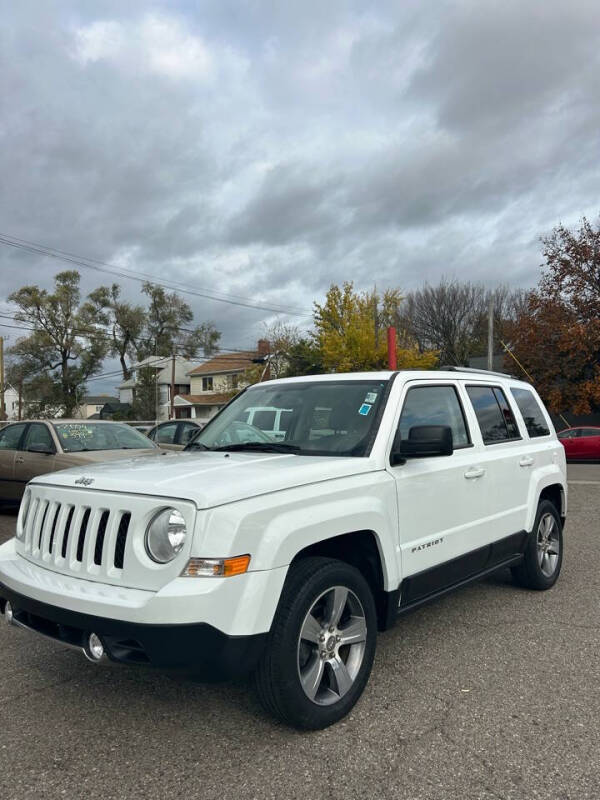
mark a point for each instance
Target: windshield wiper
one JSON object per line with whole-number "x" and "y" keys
{"x": 260, "y": 447}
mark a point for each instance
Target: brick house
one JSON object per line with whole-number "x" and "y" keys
{"x": 214, "y": 383}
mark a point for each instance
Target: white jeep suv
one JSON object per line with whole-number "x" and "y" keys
{"x": 285, "y": 556}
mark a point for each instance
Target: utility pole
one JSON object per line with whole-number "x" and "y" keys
{"x": 2, "y": 409}
{"x": 156, "y": 391}
{"x": 490, "y": 349}
{"x": 20, "y": 399}
{"x": 172, "y": 414}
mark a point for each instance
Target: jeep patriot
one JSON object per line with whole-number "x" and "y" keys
{"x": 284, "y": 555}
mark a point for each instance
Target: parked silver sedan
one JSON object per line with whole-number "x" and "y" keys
{"x": 35, "y": 447}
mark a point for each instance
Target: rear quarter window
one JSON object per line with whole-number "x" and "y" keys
{"x": 531, "y": 412}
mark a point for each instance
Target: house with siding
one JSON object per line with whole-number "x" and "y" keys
{"x": 162, "y": 367}
{"x": 92, "y": 405}
{"x": 214, "y": 383}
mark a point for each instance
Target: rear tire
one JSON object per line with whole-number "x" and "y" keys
{"x": 321, "y": 646}
{"x": 542, "y": 559}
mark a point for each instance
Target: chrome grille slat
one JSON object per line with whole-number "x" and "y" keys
{"x": 46, "y": 529}
{"x": 89, "y": 544}
{"x": 110, "y": 542}
{"x": 53, "y": 529}
{"x": 73, "y": 540}
{"x": 59, "y": 533}
{"x": 31, "y": 518}
{"x": 67, "y": 526}
{"x": 37, "y": 527}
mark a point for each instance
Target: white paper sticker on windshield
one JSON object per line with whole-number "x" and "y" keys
{"x": 371, "y": 397}
{"x": 76, "y": 431}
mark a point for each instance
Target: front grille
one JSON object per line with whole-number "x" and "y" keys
{"x": 96, "y": 535}
{"x": 79, "y": 537}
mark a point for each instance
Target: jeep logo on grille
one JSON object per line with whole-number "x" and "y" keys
{"x": 84, "y": 481}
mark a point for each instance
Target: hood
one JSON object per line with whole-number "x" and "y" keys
{"x": 97, "y": 456}
{"x": 210, "y": 479}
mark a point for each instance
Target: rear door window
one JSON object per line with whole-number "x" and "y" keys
{"x": 10, "y": 437}
{"x": 434, "y": 405}
{"x": 531, "y": 412}
{"x": 38, "y": 434}
{"x": 495, "y": 418}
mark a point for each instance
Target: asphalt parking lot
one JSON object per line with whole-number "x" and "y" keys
{"x": 492, "y": 692}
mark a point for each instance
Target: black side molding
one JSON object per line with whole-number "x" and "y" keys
{"x": 426, "y": 586}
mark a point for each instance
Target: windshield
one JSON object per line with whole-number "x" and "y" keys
{"x": 76, "y": 437}
{"x": 313, "y": 418}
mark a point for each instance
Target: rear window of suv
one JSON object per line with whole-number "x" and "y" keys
{"x": 531, "y": 412}
{"x": 496, "y": 420}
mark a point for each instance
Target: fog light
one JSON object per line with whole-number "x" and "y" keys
{"x": 94, "y": 649}
{"x": 8, "y": 613}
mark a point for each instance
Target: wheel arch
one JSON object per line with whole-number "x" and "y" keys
{"x": 362, "y": 550}
{"x": 555, "y": 493}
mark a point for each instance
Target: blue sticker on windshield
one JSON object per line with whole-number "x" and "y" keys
{"x": 364, "y": 409}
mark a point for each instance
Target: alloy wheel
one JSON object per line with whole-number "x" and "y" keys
{"x": 548, "y": 545}
{"x": 331, "y": 645}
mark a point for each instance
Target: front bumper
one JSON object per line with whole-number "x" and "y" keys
{"x": 214, "y": 627}
{"x": 198, "y": 648}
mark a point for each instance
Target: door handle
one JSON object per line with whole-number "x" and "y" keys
{"x": 526, "y": 461}
{"x": 474, "y": 472}
{"x": 19, "y": 460}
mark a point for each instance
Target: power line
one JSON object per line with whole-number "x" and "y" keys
{"x": 89, "y": 333}
{"x": 122, "y": 272}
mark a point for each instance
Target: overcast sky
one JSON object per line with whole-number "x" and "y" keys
{"x": 267, "y": 149}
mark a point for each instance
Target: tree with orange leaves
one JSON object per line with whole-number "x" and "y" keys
{"x": 557, "y": 336}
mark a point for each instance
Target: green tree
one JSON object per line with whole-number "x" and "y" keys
{"x": 144, "y": 397}
{"x": 124, "y": 322}
{"x": 350, "y": 331}
{"x": 166, "y": 319}
{"x": 304, "y": 357}
{"x": 63, "y": 350}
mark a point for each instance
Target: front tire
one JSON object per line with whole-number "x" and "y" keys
{"x": 542, "y": 559}
{"x": 321, "y": 646}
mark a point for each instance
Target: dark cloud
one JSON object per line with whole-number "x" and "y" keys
{"x": 267, "y": 149}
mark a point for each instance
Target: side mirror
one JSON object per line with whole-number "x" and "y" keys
{"x": 423, "y": 441}
{"x": 41, "y": 448}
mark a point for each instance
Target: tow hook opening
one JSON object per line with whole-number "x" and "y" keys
{"x": 93, "y": 648}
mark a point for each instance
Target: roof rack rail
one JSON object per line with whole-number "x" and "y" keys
{"x": 454, "y": 368}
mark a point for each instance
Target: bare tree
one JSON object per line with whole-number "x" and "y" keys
{"x": 452, "y": 317}
{"x": 282, "y": 337}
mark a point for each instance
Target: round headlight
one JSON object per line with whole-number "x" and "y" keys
{"x": 165, "y": 536}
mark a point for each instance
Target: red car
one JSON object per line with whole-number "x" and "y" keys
{"x": 581, "y": 444}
